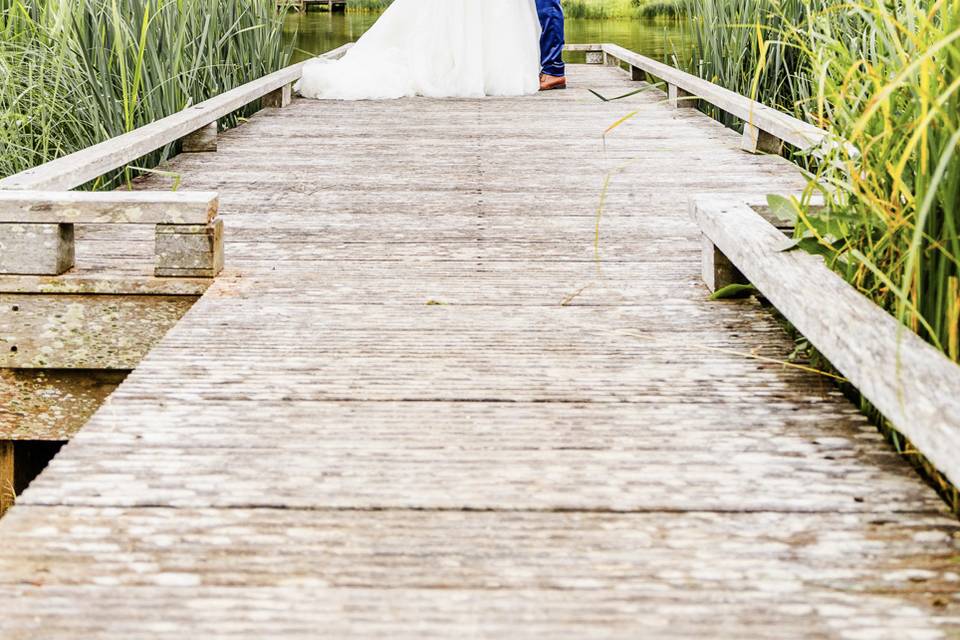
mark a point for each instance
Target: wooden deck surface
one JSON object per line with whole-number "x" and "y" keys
{"x": 416, "y": 406}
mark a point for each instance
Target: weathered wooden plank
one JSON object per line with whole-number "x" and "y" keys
{"x": 83, "y": 332}
{"x": 86, "y": 281}
{"x": 448, "y": 405}
{"x": 915, "y": 386}
{"x": 488, "y": 550}
{"x": 189, "y": 250}
{"x": 114, "y": 207}
{"x": 526, "y": 614}
{"x": 36, "y": 249}
{"x": 78, "y": 168}
{"x": 51, "y": 405}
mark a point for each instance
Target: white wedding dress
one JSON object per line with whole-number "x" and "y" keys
{"x": 438, "y": 49}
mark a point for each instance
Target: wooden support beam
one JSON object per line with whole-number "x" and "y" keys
{"x": 756, "y": 140}
{"x": 36, "y": 249}
{"x": 112, "y": 207}
{"x": 7, "y": 475}
{"x": 278, "y": 98}
{"x": 108, "y": 332}
{"x": 680, "y": 99}
{"x": 202, "y": 140}
{"x": 637, "y": 74}
{"x": 189, "y": 250}
{"x": 718, "y": 272}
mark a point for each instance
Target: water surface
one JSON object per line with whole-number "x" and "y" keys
{"x": 658, "y": 38}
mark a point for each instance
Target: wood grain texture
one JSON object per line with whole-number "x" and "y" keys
{"x": 913, "y": 384}
{"x": 36, "y": 249}
{"x": 114, "y": 207}
{"x": 56, "y": 331}
{"x": 421, "y": 402}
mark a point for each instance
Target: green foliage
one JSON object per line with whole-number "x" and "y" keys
{"x": 77, "y": 72}
{"x": 733, "y": 291}
{"x": 884, "y": 77}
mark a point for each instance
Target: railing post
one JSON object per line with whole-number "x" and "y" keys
{"x": 189, "y": 250}
{"x": 756, "y": 140}
{"x": 680, "y": 99}
{"x": 718, "y": 272}
{"x": 637, "y": 74}
{"x": 36, "y": 249}
{"x": 595, "y": 57}
{"x": 278, "y": 98}
{"x": 610, "y": 60}
{"x": 7, "y": 475}
{"x": 202, "y": 140}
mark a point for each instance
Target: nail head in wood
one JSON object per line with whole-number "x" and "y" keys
{"x": 189, "y": 251}
{"x": 202, "y": 140}
{"x": 36, "y": 249}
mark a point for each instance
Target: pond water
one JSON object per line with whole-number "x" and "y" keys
{"x": 659, "y": 38}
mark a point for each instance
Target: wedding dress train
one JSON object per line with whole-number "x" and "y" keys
{"x": 439, "y": 49}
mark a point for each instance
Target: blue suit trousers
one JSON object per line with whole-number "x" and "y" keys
{"x": 551, "y": 42}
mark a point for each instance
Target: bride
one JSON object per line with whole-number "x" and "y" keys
{"x": 438, "y": 49}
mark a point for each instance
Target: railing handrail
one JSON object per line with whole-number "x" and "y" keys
{"x": 915, "y": 386}
{"x": 81, "y": 167}
{"x": 772, "y": 122}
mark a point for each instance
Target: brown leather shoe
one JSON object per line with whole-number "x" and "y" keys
{"x": 551, "y": 83}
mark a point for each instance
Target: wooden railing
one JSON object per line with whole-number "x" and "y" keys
{"x": 37, "y": 210}
{"x": 914, "y": 386}
{"x": 765, "y": 129}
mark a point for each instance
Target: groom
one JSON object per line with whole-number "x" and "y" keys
{"x": 551, "y": 45}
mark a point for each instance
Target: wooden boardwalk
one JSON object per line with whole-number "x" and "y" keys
{"x": 415, "y": 405}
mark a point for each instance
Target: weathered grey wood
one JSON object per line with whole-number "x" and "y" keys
{"x": 114, "y": 207}
{"x": 756, "y": 140}
{"x": 191, "y": 251}
{"x": 431, "y": 392}
{"x": 595, "y": 57}
{"x": 679, "y": 98}
{"x": 203, "y": 140}
{"x": 51, "y": 405}
{"x": 78, "y": 168}
{"x": 108, "y": 282}
{"x": 771, "y": 121}
{"x": 915, "y": 386}
{"x": 7, "y": 468}
{"x": 83, "y": 332}
{"x": 37, "y": 249}
{"x": 718, "y": 271}
{"x": 279, "y": 98}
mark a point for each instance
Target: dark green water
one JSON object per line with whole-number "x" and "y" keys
{"x": 657, "y": 38}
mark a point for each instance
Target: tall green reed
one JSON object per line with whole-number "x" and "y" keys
{"x": 76, "y": 72}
